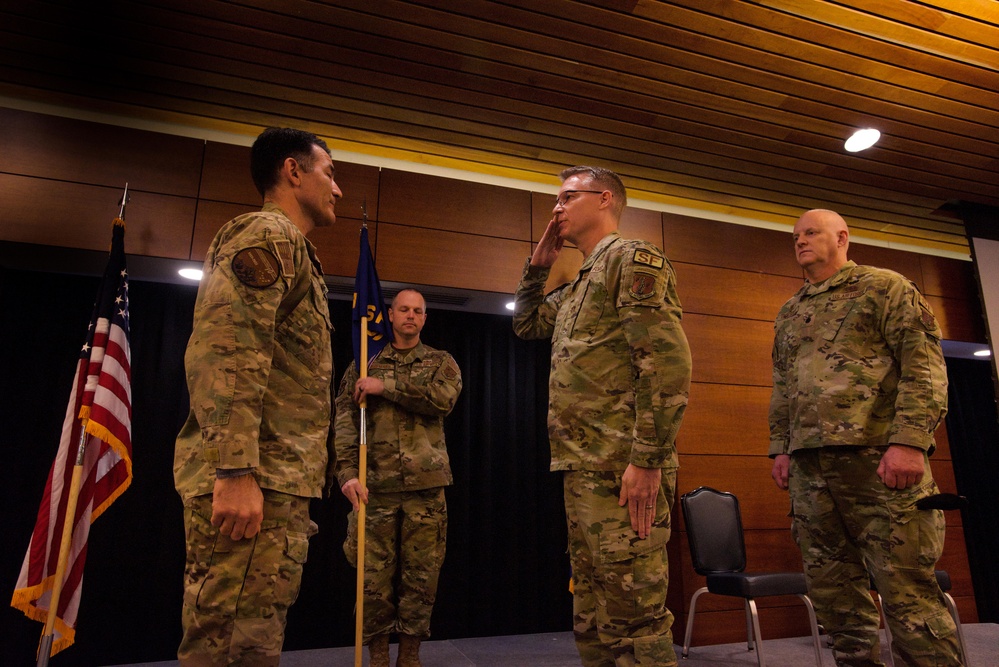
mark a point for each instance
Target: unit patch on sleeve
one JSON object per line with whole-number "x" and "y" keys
{"x": 647, "y": 258}
{"x": 643, "y": 285}
{"x": 255, "y": 267}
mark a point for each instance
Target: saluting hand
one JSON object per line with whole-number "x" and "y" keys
{"x": 549, "y": 246}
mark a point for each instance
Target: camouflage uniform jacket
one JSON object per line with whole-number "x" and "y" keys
{"x": 620, "y": 372}
{"x": 259, "y": 362}
{"x": 856, "y": 361}
{"x": 405, "y": 438}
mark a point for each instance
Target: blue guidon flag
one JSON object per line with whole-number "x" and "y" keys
{"x": 368, "y": 301}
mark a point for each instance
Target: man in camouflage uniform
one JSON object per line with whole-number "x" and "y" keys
{"x": 409, "y": 390}
{"x": 618, "y": 388}
{"x": 860, "y": 386}
{"x": 253, "y": 451}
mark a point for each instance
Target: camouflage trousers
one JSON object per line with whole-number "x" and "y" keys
{"x": 237, "y": 592}
{"x": 619, "y": 581}
{"x": 405, "y": 536}
{"x": 849, "y": 527}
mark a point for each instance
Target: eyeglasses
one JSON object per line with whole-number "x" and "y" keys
{"x": 564, "y": 197}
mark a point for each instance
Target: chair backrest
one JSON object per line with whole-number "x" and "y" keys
{"x": 714, "y": 531}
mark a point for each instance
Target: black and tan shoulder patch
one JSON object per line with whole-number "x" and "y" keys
{"x": 648, "y": 259}
{"x": 256, "y": 267}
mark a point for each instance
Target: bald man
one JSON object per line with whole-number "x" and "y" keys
{"x": 860, "y": 386}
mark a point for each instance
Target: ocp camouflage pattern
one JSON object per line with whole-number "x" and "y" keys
{"x": 620, "y": 373}
{"x": 259, "y": 362}
{"x": 839, "y": 347}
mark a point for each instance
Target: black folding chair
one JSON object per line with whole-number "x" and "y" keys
{"x": 718, "y": 551}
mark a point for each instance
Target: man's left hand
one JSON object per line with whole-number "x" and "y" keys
{"x": 901, "y": 467}
{"x": 639, "y": 490}
{"x": 367, "y": 386}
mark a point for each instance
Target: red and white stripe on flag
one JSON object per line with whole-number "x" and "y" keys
{"x": 100, "y": 406}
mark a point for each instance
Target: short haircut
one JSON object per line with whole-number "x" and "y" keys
{"x": 605, "y": 178}
{"x": 273, "y": 147}
{"x": 414, "y": 291}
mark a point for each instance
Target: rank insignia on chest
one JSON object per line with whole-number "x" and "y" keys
{"x": 643, "y": 285}
{"x": 255, "y": 267}
{"x": 648, "y": 259}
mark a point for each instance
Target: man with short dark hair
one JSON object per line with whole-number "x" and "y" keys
{"x": 253, "y": 450}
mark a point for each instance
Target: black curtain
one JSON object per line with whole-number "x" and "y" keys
{"x": 973, "y": 432}
{"x": 506, "y": 570}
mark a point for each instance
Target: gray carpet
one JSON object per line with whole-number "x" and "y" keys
{"x": 557, "y": 649}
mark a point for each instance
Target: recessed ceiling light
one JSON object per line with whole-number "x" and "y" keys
{"x": 509, "y": 305}
{"x": 190, "y": 274}
{"x": 983, "y": 353}
{"x": 862, "y": 139}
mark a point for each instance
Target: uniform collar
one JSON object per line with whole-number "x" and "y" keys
{"x": 602, "y": 245}
{"x": 271, "y": 207}
{"x": 405, "y": 356}
{"x": 833, "y": 281}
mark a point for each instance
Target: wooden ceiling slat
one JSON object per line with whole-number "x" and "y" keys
{"x": 867, "y": 23}
{"x": 980, "y": 10}
{"x": 809, "y": 36}
{"x": 802, "y": 60}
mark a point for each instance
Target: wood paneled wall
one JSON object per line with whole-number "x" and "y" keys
{"x": 60, "y": 181}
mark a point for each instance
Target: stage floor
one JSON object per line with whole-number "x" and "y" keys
{"x": 557, "y": 649}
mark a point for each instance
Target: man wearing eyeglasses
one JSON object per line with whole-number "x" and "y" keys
{"x": 618, "y": 388}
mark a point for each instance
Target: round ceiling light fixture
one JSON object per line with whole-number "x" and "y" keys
{"x": 862, "y": 139}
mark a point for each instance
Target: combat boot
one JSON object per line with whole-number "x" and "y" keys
{"x": 409, "y": 651}
{"x": 378, "y": 651}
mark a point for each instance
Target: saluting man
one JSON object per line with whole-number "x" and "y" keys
{"x": 620, "y": 377}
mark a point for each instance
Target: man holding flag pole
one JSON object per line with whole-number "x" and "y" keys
{"x": 93, "y": 465}
{"x": 396, "y": 534}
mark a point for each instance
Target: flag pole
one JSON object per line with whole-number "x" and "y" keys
{"x": 362, "y": 474}
{"x": 362, "y": 478}
{"x": 48, "y": 632}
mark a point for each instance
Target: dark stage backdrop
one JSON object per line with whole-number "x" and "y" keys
{"x": 506, "y": 570}
{"x": 974, "y": 445}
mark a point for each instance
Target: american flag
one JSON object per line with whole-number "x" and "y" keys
{"x": 99, "y": 412}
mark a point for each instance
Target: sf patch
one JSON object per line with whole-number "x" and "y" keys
{"x": 255, "y": 267}
{"x": 643, "y": 285}
{"x": 648, "y": 259}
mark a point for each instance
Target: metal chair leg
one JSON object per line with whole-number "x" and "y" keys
{"x": 815, "y": 628}
{"x": 690, "y": 620}
{"x": 751, "y": 606}
{"x": 952, "y": 608}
